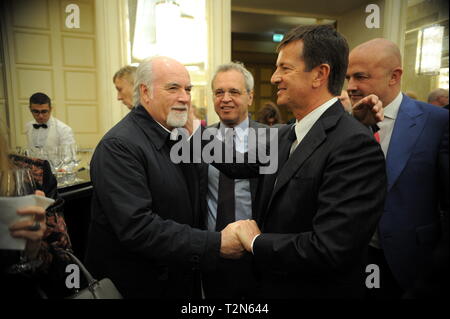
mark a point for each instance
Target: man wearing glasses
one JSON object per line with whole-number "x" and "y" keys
{"x": 228, "y": 200}
{"x": 45, "y": 130}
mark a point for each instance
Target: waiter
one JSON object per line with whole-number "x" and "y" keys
{"x": 45, "y": 130}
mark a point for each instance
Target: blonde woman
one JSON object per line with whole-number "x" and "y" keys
{"x": 42, "y": 266}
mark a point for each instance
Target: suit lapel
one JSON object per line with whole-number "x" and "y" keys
{"x": 254, "y": 181}
{"x": 309, "y": 144}
{"x": 315, "y": 137}
{"x": 269, "y": 181}
{"x": 407, "y": 128}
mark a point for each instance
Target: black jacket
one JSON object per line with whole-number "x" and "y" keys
{"x": 143, "y": 208}
{"x": 319, "y": 210}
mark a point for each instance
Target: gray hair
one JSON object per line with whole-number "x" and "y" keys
{"x": 237, "y": 66}
{"x": 128, "y": 71}
{"x": 144, "y": 75}
{"x": 435, "y": 94}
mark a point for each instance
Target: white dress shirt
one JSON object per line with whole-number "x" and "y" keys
{"x": 303, "y": 126}
{"x": 57, "y": 133}
{"x": 387, "y": 125}
{"x": 385, "y": 132}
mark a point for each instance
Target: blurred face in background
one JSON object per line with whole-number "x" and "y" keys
{"x": 124, "y": 91}
{"x": 41, "y": 112}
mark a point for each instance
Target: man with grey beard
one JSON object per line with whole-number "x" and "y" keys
{"x": 144, "y": 206}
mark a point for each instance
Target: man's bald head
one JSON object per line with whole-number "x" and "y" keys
{"x": 382, "y": 52}
{"x": 152, "y": 68}
{"x": 375, "y": 67}
{"x": 163, "y": 86}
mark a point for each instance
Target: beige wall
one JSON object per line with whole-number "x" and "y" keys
{"x": 3, "y": 119}
{"x": 353, "y": 25}
{"x": 42, "y": 54}
{"x": 73, "y": 66}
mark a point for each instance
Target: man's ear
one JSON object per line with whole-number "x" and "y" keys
{"x": 145, "y": 93}
{"x": 396, "y": 75}
{"x": 251, "y": 97}
{"x": 320, "y": 75}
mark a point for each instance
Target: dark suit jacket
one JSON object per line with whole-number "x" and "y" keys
{"x": 418, "y": 188}
{"x": 142, "y": 208}
{"x": 253, "y": 181}
{"x": 319, "y": 210}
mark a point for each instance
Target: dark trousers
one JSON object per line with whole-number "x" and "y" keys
{"x": 389, "y": 288}
{"x": 232, "y": 279}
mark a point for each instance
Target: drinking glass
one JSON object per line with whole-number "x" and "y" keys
{"x": 71, "y": 160}
{"x": 18, "y": 182}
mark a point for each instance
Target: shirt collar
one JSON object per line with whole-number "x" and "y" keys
{"x": 240, "y": 129}
{"x": 172, "y": 134}
{"x": 157, "y": 133}
{"x": 49, "y": 122}
{"x": 391, "y": 110}
{"x": 303, "y": 126}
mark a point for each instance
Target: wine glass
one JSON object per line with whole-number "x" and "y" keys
{"x": 66, "y": 167}
{"x": 76, "y": 160}
{"x": 71, "y": 160}
{"x": 55, "y": 159}
{"x": 25, "y": 184}
{"x": 36, "y": 152}
{"x": 18, "y": 182}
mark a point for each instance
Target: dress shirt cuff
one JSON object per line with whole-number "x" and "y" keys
{"x": 253, "y": 241}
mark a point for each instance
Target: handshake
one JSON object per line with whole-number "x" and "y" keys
{"x": 237, "y": 238}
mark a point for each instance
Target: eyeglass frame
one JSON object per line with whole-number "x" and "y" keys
{"x": 220, "y": 94}
{"x": 37, "y": 112}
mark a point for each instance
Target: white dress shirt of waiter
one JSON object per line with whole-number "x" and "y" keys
{"x": 45, "y": 130}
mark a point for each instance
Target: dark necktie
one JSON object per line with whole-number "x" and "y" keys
{"x": 225, "y": 202}
{"x": 292, "y": 136}
{"x": 38, "y": 126}
{"x": 293, "y": 139}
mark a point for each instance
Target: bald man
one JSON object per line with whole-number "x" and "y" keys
{"x": 414, "y": 139}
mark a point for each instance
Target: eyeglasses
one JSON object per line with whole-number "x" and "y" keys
{"x": 233, "y": 93}
{"x": 37, "y": 112}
